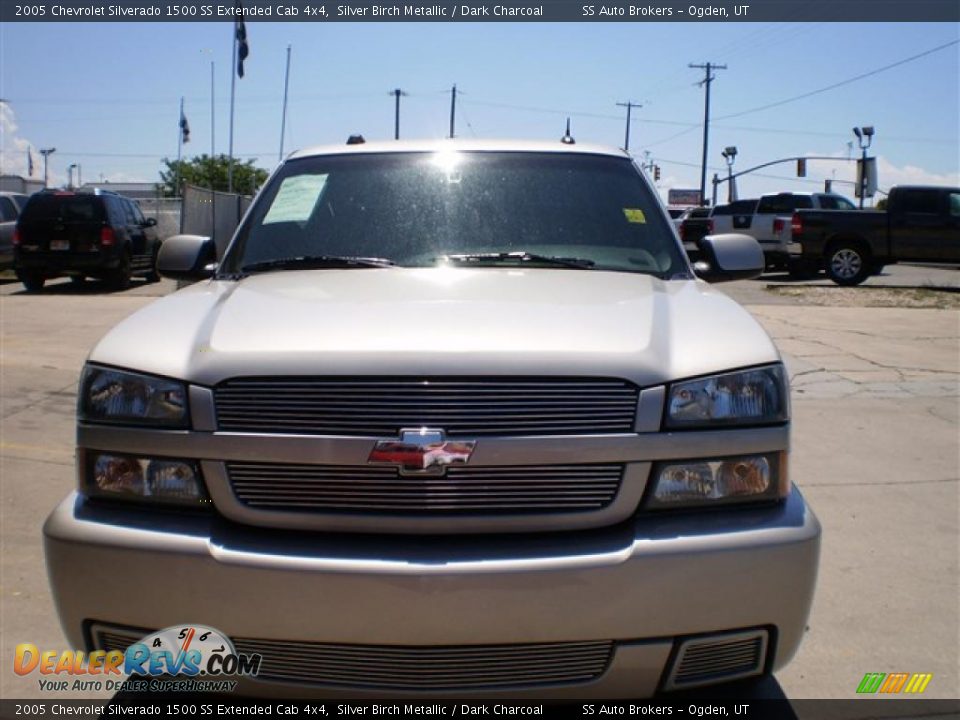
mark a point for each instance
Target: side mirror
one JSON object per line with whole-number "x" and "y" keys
{"x": 187, "y": 257}
{"x": 150, "y": 222}
{"x": 729, "y": 257}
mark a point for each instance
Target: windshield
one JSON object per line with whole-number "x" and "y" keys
{"x": 62, "y": 208}
{"x": 417, "y": 209}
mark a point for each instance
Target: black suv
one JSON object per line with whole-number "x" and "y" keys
{"x": 93, "y": 233}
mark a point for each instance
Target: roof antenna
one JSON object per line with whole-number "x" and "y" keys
{"x": 567, "y": 138}
{"x": 355, "y": 140}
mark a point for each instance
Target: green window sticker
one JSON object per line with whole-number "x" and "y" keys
{"x": 634, "y": 215}
{"x": 296, "y": 199}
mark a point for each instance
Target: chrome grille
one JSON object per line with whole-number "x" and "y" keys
{"x": 115, "y": 639}
{"x": 409, "y": 668}
{"x": 473, "y": 406}
{"x": 428, "y": 668}
{"x": 500, "y": 490}
{"x": 706, "y": 660}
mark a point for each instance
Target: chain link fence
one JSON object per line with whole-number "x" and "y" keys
{"x": 166, "y": 211}
{"x": 211, "y": 213}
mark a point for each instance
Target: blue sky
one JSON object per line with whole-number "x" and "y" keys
{"x": 106, "y": 95}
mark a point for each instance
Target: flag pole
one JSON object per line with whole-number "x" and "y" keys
{"x": 233, "y": 87}
{"x": 283, "y": 120}
{"x": 176, "y": 187}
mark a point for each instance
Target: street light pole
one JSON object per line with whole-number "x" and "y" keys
{"x": 46, "y": 152}
{"x": 730, "y": 154}
{"x": 864, "y": 139}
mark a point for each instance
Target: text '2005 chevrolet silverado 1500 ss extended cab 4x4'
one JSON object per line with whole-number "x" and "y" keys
{"x": 451, "y": 417}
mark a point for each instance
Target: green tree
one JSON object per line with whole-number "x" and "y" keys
{"x": 211, "y": 172}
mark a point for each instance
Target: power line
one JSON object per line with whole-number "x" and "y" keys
{"x": 674, "y": 136}
{"x": 842, "y": 82}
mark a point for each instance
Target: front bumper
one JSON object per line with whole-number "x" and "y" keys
{"x": 643, "y": 584}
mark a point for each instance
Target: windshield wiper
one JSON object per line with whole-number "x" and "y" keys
{"x": 317, "y": 261}
{"x": 521, "y": 256}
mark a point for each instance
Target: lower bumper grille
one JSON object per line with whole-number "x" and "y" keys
{"x": 430, "y": 668}
{"x": 707, "y": 660}
{"x": 411, "y": 668}
{"x": 382, "y": 490}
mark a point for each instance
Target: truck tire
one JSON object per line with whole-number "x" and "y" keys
{"x": 153, "y": 276}
{"x": 119, "y": 279}
{"x": 32, "y": 280}
{"x": 848, "y": 263}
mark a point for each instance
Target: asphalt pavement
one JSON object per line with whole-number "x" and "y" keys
{"x": 875, "y": 449}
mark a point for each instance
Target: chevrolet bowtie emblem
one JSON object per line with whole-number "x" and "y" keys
{"x": 422, "y": 451}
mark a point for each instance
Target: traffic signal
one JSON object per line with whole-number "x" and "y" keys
{"x": 801, "y": 167}
{"x": 656, "y": 172}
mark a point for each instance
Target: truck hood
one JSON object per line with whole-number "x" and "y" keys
{"x": 440, "y": 321}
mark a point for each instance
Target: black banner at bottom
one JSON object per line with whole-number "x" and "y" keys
{"x": 206, "y": 705}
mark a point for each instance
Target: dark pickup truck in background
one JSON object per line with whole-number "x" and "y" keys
{"x": 921, "y": 224}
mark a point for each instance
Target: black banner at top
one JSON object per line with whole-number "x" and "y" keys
{"x": 481, "y": 11}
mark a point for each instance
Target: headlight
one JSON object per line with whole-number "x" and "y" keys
{"x": 747, "y": 397}
{"x": 144, "y": 479}
{"x": 116, "y": 396}
{"x": 700, "y": 483}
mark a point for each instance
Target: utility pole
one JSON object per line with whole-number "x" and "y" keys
{"x": 629, "y": 106}
{"x": 46, "y": 152}
{"x": 453, "y": 110}
{"x": 397, "y": 93}
{"x": 708, "y": 78}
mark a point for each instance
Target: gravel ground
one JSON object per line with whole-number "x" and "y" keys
{"x": 870, "y": 296}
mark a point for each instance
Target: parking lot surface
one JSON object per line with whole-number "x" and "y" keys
{"x": 875, "y": 449}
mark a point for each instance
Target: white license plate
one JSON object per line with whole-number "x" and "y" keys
{"x": 59, "y": 244}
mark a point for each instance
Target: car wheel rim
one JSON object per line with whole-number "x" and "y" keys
{"x": 846, "y": 263}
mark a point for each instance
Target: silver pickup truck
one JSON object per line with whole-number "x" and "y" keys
{"x": 447, "y": 418}
{"x": 769, "y": 224}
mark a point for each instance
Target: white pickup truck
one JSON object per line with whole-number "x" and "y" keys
{"x": 447, "y": 417}
{"x": 769, "y": 224}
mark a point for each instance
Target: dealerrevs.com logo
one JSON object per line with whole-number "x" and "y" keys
{"x": 188, "y": 658}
